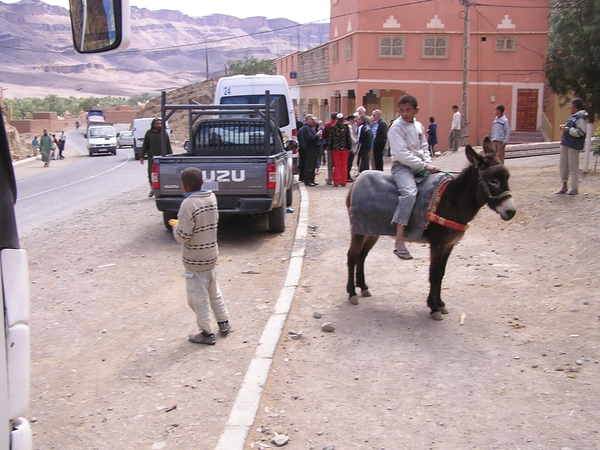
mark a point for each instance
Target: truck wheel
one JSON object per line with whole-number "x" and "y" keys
{"x": 289, "y": 196}
{"x": 168, "y": 215}
{"x": 277, "y": 220}
{"x": 136, "y": 155}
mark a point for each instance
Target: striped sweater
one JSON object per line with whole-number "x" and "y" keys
{"x": 197, "y": 230}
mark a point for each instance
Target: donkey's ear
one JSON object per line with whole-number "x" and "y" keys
{"x": 488, "y": 148}
{"x": 474, "y": 158}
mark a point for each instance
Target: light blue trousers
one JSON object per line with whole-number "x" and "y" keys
{"x": 407, "y": 193}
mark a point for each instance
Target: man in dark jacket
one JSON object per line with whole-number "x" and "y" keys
{"x": 364, "y": 142}
{"x": 308, "y": 141}
{"x": 379, "y": 130}
{"x": 152, "y": 147}
{"x": 326, "y": 130}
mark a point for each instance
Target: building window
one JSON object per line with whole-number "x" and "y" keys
{"x": 391, "y": 46}
{"x": 506, "y": 43}
{"x": 348, "y": 48}
{"x": 435, "y": 46}
{"x": 335, "y": 49}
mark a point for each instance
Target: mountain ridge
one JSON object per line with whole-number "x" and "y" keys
{"x": 168, "y": 49}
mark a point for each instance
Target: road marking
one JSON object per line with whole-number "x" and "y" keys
{"x": 76, "y": 182}
{"x": 246, "y": 404}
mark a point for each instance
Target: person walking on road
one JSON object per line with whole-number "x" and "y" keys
{"x": 62, "y": 141}
{"x": 455, "y": 130}
{"x": 152, "y": 147}
{"x": 500, "y": 132}
{"x": 196, "y": 228}
{"x": 46, "y": 143}
{"x": 572, "y": 142}
{"x": 36, "y": 145}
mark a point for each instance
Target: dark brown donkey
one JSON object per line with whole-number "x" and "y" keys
{"x": 485, "y": 181}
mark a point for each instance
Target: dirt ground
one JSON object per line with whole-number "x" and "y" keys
{"x": 111, "y": 366}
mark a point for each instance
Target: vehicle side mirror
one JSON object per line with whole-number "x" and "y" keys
{"x": 291, "y": 145}
{"x": 100, "y": 26}
{"x": 186, "y": 145}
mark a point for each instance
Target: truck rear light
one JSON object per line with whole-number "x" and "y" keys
{"x": 271, "y": 176}
{"x": 155, "y": 177}
{"x": 294, "y": 132}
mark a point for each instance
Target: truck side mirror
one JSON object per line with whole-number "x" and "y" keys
{"x": 100, "y": 26}
{"x": 186, "y": 145}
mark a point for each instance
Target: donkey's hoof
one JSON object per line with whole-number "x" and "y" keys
{"x": 444, "y": 310}
{"x": 365, "y": 293}
{"x": 353, "y": 300}
{"x": 437, "y": 315}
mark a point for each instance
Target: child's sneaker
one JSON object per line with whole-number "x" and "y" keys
{"x": 203, "y": 338}
{"x": 224, "y": 327}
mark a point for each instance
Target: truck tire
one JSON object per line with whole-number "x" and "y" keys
{"x": 136, "y": 155}
{"x": 277, "y": 220}
{"x": 168, "y": 215}
{"x": 289, "y": 196}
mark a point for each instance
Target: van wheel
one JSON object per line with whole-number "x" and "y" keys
{"x": 168, "y": 215}
{"x": 136, "y": 156}
{"x": 277, "y": 220}
{"x": 289, "y": 196}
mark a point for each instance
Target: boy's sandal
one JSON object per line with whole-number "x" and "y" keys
{"x": 561, "y": 191}
{"x": 403, "y": 254}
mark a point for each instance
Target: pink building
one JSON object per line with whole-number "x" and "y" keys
{"x": 379, "y": 51}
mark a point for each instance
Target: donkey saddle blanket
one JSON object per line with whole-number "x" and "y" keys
{"x": 374, "y": 200}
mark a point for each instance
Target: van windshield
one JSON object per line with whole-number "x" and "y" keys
{"x": 101, "y": 132}
{"x": 259, "y": 99}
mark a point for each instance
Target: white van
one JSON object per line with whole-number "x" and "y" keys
{"x": 250, "y": 89}
{"x": 101, "y": 139}
{"x": 139, "y": 128}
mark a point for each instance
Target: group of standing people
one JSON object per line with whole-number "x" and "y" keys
{"x": 344, "y": 139}
{"x": 50, "y": 146}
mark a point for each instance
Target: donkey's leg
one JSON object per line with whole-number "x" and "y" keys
{"x": 354, "y": 251}
{"x": 439, "y": 254}
{"x": 368, "y": 244}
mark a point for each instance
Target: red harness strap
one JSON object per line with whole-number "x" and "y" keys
{"x": 431, "y": 216}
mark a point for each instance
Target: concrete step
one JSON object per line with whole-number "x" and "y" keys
{"x": 524, "y": 137}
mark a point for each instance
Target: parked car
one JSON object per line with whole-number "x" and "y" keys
{"x": 125, "y": 139}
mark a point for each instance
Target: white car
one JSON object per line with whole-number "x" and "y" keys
{"x": 125, "y": 139}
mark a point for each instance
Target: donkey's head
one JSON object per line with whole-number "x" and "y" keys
{"x": 493, "y": 180}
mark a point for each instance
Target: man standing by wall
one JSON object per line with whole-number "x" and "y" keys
{"x": 500, "y": 132}
{"x": 455, "y": 130}
{"x": 572, "y": 142}
{"x": 379, "y": 130}
{"x": 152, "y": 147}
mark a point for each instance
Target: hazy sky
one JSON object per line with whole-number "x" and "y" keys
{"x": 317, "y": 10}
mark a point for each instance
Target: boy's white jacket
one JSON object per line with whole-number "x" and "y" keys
{"x": 408, "y": 144}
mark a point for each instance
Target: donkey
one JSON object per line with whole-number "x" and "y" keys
{"x": 484, "y": 181}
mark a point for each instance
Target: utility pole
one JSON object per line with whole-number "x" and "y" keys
{"x": 465, "y": 74}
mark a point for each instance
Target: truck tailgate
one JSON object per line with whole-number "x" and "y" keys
{"x": 225, "y": 176}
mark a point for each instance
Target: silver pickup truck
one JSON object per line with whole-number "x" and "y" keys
{"x": 242, "y": 158}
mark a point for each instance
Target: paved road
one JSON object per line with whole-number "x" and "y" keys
{"x": 73, "y": 184}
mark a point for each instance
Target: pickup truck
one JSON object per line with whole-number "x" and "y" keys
{"x": 242, "y": 157}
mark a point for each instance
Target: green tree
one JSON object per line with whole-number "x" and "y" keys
{"x": 573, "y": 63}
{"x": 249, "y": 66}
